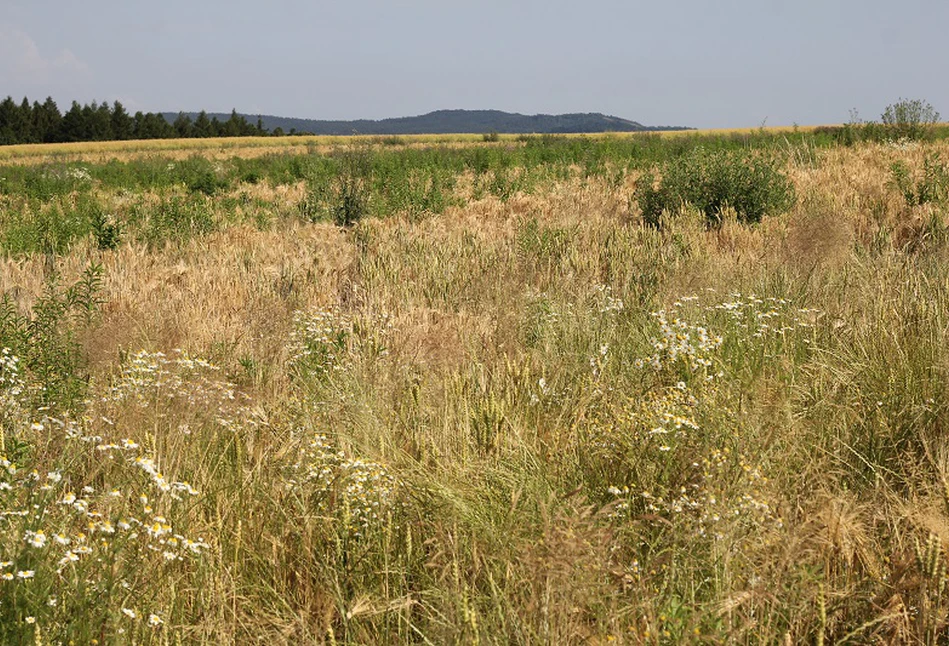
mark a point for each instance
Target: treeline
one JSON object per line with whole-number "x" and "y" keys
{"x": 24, "y": 123}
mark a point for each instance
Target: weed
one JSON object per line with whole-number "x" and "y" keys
{"x": 932, "y": 186}
{"x": 44, "y": 340}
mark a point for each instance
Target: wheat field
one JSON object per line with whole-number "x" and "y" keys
{"x": 518, "y": 416}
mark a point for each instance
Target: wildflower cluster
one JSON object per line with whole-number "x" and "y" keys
{"x": 724, "y": 491}
{"x": 147, "y": 376}
{"x": 327, "y": 341}
{"x": 661, "y": 433}
{"x": 318, "y": 343}
{"x": 685, "y": 346}
{"x": 62, "y": 531}
{"x": 759, "y": 318}
{"x": 656, "y": 423}
{"x": 359, "y": 493}
{"x": 606, "y": 302}
{"x": 11, "y": 385}
{"x": 153, "y": 380}
{"x": 681, "y": 345}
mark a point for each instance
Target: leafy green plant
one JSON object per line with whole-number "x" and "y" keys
{"x": 353, "y": 186}
{"x": 933, "y": 186}
{"x": 352, "y": 201}
{"x": 712, "y": 181}
{"x": 340, "y": 190}
{"x": 107, "y": 233}
{"x": 45, "y": 339}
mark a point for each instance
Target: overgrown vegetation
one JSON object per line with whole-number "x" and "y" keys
{"x": 467, "y": 394}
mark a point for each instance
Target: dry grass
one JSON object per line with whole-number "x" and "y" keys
{"x": 212, "y": 147}
{"x": 486, "y": 359}
{"x": 249, "y": 147}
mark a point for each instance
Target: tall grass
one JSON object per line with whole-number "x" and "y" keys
{"x": 498, "y": 408}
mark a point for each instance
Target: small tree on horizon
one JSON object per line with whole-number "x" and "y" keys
{"x": 910, "y": 119}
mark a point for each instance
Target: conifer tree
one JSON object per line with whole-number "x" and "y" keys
{"x": 47, "y": 121}
{"x": 73, "y": 124}
{"x": 202, "y": 125}
{"x": 7, "y": 118}
{"x": 122, "y": 125}
{"x": 183, "y": 126}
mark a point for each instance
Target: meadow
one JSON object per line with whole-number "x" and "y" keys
{"x": 426, "y": 391}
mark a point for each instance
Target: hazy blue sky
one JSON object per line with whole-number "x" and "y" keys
{"x": 703, "y": 63}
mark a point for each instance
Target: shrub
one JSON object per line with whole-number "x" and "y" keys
{"x": 712, "y": 181}
{"x": 910, "y": 119}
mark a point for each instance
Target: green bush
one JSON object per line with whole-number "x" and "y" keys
{"x": 910, "y": 119}
{"x": 712, "y": 181}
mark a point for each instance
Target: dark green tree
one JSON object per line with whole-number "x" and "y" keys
{"x": 8, "y": 109}
{"x": 237, "y": 126}
{"x": 152, "y": 126}
{"x": 47, "y": 121}
{"x": 202, "y": 125}
{"x": 138, "y": 126}
{"x": 100, "y": 122}
{"x": 73, "y": 126}
{"x": 183, "y": 126}
{"x": 23, "y": 123}
{"x": 123, "y": 126}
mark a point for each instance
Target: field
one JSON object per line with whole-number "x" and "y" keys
{"x": 225, "y": 147}
{"x": 456, "y": 391}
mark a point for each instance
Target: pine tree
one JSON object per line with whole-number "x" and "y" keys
{"x": 233, "y": 126}
{"x": 48, "y": 121}
{"x": 183, "y": 126}
{"x": 202, "y": 125}
{"x": 100, "y": 122}
{"x": 122, "y": 125}
{"x": 23, "y": 123}
{"x": 7, "y": 119}
{"x": 73, "y": 125}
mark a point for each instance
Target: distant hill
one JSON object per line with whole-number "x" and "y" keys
{"x": 450, "y": 121}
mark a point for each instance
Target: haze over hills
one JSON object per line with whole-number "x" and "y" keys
{"x": 450, "y": 121}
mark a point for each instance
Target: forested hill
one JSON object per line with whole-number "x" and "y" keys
{"x": 451, "y": 121}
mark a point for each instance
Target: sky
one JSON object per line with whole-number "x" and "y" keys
{"x": 699, "y": 63}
